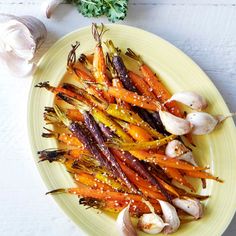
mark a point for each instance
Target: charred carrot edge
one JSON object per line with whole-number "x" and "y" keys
{"x": 134, "y": 99}
{"x": 176, "y": 175}
{"x": 202, "y": 175}
{"x": 141, "y": 85}
{"x": 117, "y": 84}
{"x": 90, "y": 181}
{"x": 168, "y": 187}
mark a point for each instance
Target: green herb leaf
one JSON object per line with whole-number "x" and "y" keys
{"x": 114, "y": 9}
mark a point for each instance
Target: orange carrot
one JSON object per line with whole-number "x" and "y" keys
{"x": 99, "y": 63}
{"x": 161, "y": 92}
{"x": 90, "y": 181}
{"x": 141, "y": 85}
{"x": 134, "y": 99}
{"x": 118, "y": 84}
{"x": 202, "y": 175}
{"x": 103, "y": 195}
{"x": 136, "y": 132}
{"x": 176, "y": 175}
{"x": 74, "y": 115}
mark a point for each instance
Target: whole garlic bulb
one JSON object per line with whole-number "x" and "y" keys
{"x": 20, "y": 37}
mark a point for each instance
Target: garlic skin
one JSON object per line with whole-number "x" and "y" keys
{"x": 124, "y": 224}
{"x": 50, "y": 6}
{"x": 20, "y": 37}
{"x": 151, "y": 223}
{"x": 191, "y": 206}
{"x": 190, "y": 99}
{"x": 176, "y": 149}
{"x": 174, "y": 124}
{"x": 170, "y": 216}
{"x": 203, "y": 123}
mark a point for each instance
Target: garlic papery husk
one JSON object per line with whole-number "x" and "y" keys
{"x": 176, "y": 149}
{"x": 203, "y": 123}
{"x": 191, "y": 206}
{"x": 190, "y": 99}
{"x": 50, "y": 6}
{"x": 124, "y": 223}
{"x": 170, "y": 216}
{"x": 20, "y": 37}
{"x": 174, "y": 124}
{"x": 151, "y": 223}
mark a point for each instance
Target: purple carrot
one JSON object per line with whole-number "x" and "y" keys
{"x": 94, "y": 129}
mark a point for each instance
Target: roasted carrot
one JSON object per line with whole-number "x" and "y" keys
{"x": 99, "y": 64}
{"x": 131, "y": 117}
{"x": 90, "y": 181}
{"x": 134, "y": 99}
{"x": 74, "y": 115}
{"x": 161, "y": 92}
{"x": 84, "y": 191}
{"x": 141, "y": 85}
{"x": 202, "y": 175}
{"x": 140, "y": 145}
{"x": 117, "y": 84}
{"x": 136, "y": 132}
{"x": 176, "y": 175}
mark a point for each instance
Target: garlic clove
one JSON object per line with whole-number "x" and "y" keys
{"x": 191, "y": 206}
{"x": 20, "y": 37}
{"x": 176, "y": 149}
{"x": 174, "y": 124}
{"x": 16, "y": 65}
{"x": 188, "y": 157}
{"x": 50, "y": 6}
{"x": 170, "y": 216}
{"x": 190, "y": 99}
{"x": 151, "y": 223}
{"x": 203, "y": 123}
{"x": 124, "y": 223}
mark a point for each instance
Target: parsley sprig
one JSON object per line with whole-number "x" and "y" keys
{"x": 114, "y": 9}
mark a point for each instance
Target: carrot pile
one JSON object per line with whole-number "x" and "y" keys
{"x": 112, "y": 136}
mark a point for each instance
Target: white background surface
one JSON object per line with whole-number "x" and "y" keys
{"x": 203, "y": 29}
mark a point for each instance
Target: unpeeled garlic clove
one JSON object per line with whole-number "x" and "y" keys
{"x": 190, "y": 99}
{"x": 174, "y": 124}
{"x": 20, "y": 37}
{"x": 191, "y": 206}
{"x": 203, "y": 123}
{"x": 151, "y": 223}
{"x": 170, "y": 216}
{"x": 124, "y": 223}
{"x": 176, "y": 149}
{"x": 50, "y": 6}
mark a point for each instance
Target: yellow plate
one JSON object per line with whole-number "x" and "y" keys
{"x": 179, "y": 73}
